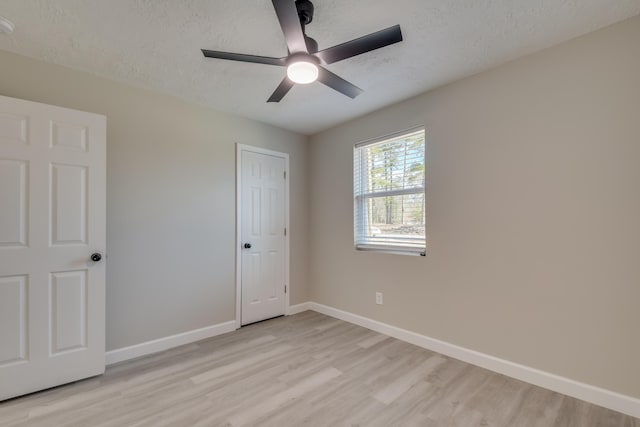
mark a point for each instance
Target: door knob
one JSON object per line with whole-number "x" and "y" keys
{"x": 96, "y": 257}
{"x": 247, "y": 245}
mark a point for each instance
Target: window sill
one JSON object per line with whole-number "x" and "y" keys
{"x": 392, "y": 250}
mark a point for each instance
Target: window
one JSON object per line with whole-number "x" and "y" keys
{"x": 389, "y": 195}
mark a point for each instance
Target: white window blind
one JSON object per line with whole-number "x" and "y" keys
{"x": 389, "y": 193}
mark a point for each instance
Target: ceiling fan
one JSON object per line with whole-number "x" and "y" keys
{"x": 304, "y": 62}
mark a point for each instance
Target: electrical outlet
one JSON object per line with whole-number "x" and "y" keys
{"x": 379, "y": 298}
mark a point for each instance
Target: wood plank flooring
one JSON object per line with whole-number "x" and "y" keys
{"x": 302, "y": 370}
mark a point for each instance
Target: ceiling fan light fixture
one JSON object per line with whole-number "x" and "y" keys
{"x": 302, "y": 72}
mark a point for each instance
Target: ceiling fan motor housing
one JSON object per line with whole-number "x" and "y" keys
{"x": 305, "y": 11}
{"x": 302, "y": 57}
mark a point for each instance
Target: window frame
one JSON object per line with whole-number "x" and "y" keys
{"x": 360, "y": 198}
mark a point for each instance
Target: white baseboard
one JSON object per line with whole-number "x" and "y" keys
{"x": 299, "y": 308}
{"x": 161, "y": 344}
{"x": 596, "y": 395}
{"x": 166, "y": 343}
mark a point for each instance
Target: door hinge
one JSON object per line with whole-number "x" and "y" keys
{"x": 285, "y": 231}
{"x": 285, "y": 289}
{"x": 285, "y": 174}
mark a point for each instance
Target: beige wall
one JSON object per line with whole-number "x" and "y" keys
{"x": 170, "y": 198}
{"x": 533, "y": 209}
{"x": 533, "y": 192}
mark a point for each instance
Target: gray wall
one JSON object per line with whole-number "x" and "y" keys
{"x": 533, "y": 189}
{"x": 170, "y": 198}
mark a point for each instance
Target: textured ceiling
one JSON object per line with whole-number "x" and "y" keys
{"x": 156, "y": 44}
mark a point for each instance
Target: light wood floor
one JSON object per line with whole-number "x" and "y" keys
{"x": 307, "y": 369}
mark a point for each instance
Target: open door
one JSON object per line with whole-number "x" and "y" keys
{"x": 52, "y": 238}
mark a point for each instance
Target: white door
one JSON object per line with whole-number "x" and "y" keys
{"x": 263, "y": 205}
{"x": 52, "y": 219}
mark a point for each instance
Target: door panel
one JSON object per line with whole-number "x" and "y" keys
{"x": 68, "y": 311}
{"x": 263, "y": 217}
{"x": 13, "y": 128}
{"x": 66, "y": 136}
{"x": 13, "y": 210}
{"x": 52, "y": 217}
{"x": 68, "y": 204}
{"x": 13, "y": 319}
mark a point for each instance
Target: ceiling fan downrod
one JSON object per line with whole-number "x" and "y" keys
{"x": 305, "y": 13}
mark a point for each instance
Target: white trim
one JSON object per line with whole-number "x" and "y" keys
{"x": 299, "y": 308}
{"x": 287, "y": 247}
{"x": 391, "y": 248}
{"x": 260, "y": 150}
{"x": 363, "y": 193}
{"x": 238, "y": 236}
{"x": 239, "y": 149}
{"x": 392, "y": 135}
{"x": 596, "y": 395}
{"x": 161, "y": 344}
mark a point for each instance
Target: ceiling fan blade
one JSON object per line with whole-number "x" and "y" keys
{"x": 283, "y": 88}
{"x": 243, "y": 58}
{"x": 290, "y": 23}
{"x": 338, "y": 83}
{"x": 361, "y": 45}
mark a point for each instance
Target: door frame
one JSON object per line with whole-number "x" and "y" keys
{"x": 239, "y": 149}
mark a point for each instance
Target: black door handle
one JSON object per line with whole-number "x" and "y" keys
{"x": 247, "y": 245}
{"x": 95, "y": 257}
